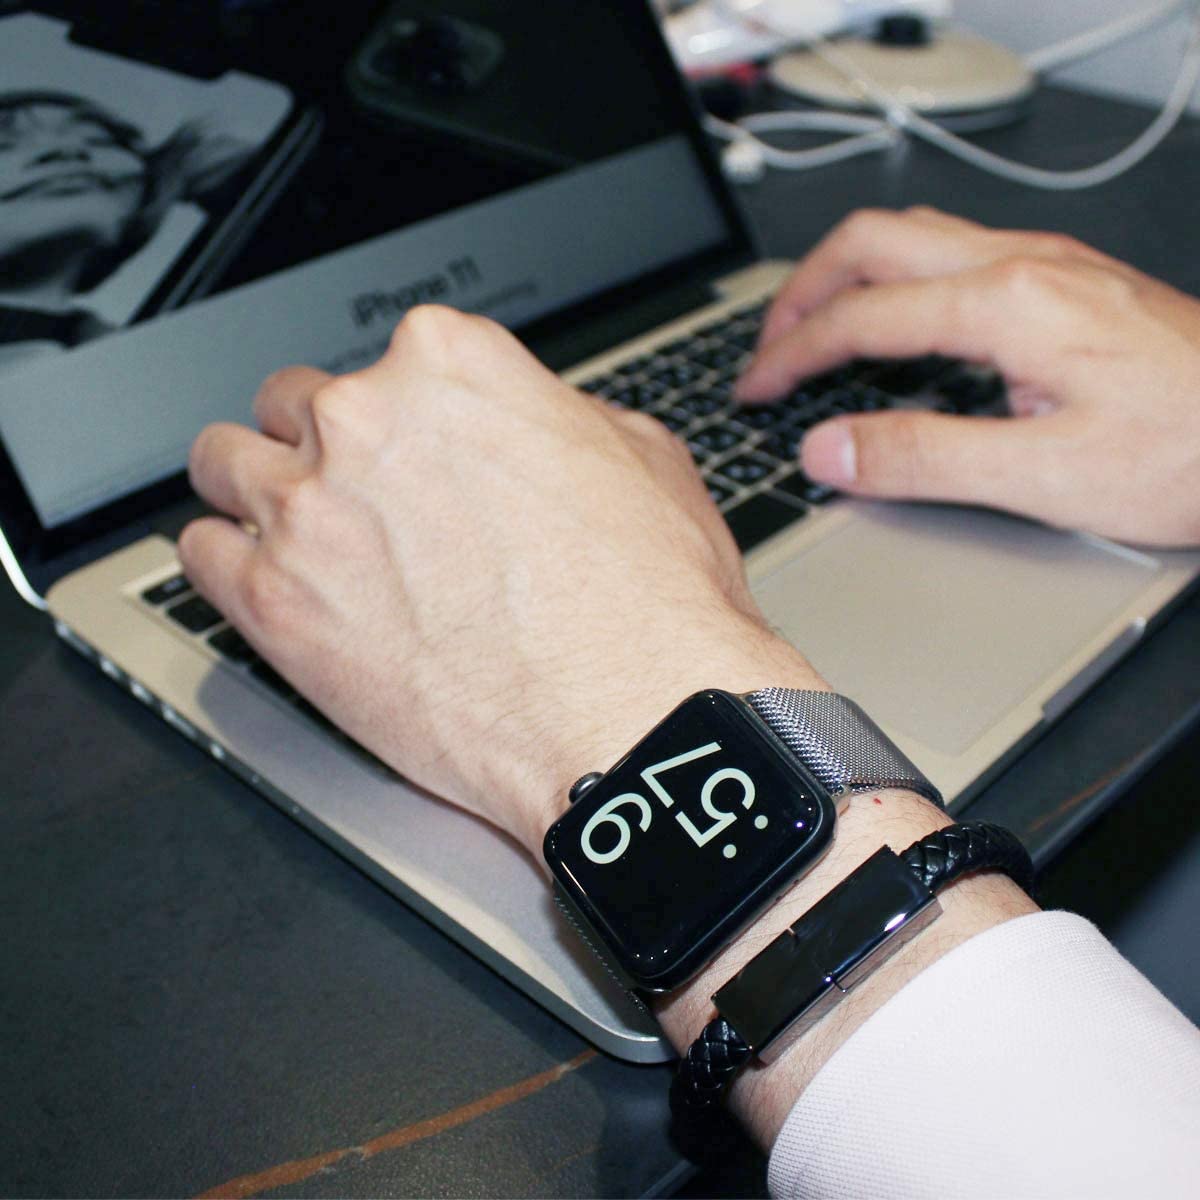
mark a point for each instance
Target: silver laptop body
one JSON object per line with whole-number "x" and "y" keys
{"x": 963, "y": 633}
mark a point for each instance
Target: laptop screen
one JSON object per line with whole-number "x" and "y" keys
{"x": 511, "y": 158}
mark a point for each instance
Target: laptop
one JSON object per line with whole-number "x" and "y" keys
{"x": 543, "y": 165}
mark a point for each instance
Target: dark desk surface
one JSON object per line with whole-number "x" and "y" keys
{"x": 198, "y": 996}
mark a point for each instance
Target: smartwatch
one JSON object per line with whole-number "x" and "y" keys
{"x": 663, "y": 859}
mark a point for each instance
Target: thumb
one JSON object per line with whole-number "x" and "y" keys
{"x": 912, "y": 455}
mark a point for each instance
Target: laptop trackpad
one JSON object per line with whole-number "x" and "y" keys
{"x": 941, "y": 620}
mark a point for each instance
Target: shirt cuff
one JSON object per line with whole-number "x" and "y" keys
{"x": 1032, "y": 1060}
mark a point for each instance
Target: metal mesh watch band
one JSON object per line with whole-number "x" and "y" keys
{"x": 837, "y": 741}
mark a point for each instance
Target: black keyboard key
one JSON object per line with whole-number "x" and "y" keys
{"x": 828, "y": 381}
{"x": 781, "y": 445}
{"x": 744, "y": 339}
{"x": 765, "y": 417}
{"x": 798, "y": 487}
{"x": 746, "y": 469}
{"x": 677, "y": 375}
{"x": 719, "y": 492}
{"x": 195, "y": 614}
{"x": 871, "y": 399}
{"x": 635, "y": 366}
{"x": 970, "y": 391}
{"x": 720, "y": 357}
{"x": 702, "y": 403}
{"x": 674, "y": 421}
{"x": 160, "y": 593}
{"x": 717, "y": 438}
{"x": 758, "y": 518}
{"x": 644, "y": 394}
{"x": 839, "y": 400}
{"x": 231, "y": 645}
{"x": 907, "y": 376}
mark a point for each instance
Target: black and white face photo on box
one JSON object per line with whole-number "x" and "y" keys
{"x": 107, "y": 168}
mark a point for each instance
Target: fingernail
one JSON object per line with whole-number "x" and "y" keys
{"x": 829, "y": 455}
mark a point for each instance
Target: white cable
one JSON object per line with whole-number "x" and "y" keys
{"x": 872, "y": 133}
{"x": 841, "y": 122}
{"x": 876, "y": 135}
{"x": 1084, "y": 45}
{"x": 903, "y": 117}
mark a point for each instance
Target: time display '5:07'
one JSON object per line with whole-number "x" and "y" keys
{"x": 608, "y": 817}
{"x": 687, "y": 836}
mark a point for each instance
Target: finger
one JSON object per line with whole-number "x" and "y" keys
{"x": 912, "y": 455}
{"x": 282, "y": 405}
{"x": 235, "y": 468}
{"x": 987, "y": 315}
{"x": 873, "y": 246}
{"x": 215, "y": 555}
{"x": 876, "y": 246}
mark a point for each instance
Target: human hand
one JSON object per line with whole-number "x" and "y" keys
{"x": 1102, "y": 364}
{"x": 496, "y": 584}
{"x": 490, "y": 580}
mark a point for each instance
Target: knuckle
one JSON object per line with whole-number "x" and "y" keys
{"x": 1062, "y": 245}
{"x": 1029, "y": 278}
{"x": 646, "y": 429}
{"x": 274, "y": 381}
{"x": 203, "y": 453}
{"x": 431, "y": 325}
{"x": 295, "y": 505}
{"x": 1062, "y": 285}
{"x": 197, "y": 454}
{"x": 337, "y": 406}
{"x": 632, "y": 421}
{"x": 267, "y": 596}
{"x": 188, "y": 545}
{"x": 450, "y": 343}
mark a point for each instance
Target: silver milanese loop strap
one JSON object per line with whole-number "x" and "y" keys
{"x": 837, "y": 741}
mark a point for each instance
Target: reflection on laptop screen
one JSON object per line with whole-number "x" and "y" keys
{"x": 516, "y": 196}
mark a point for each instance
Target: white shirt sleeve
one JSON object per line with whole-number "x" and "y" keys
{"x": 1032, "y": 1060}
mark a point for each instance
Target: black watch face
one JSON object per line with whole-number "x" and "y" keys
{"x": 687, "y": 837}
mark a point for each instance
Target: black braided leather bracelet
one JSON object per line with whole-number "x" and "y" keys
{"x": 803, "y": 973}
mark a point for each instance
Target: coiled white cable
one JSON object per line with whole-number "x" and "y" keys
{"x": 869, "y": 134}
{"x": 904, "y": 117}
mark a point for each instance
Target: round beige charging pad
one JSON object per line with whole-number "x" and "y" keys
{"x": 957, "y": 77}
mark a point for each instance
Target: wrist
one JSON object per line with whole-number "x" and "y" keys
{"x": 763, "y": 1095}
{"x": 625, "y": 707}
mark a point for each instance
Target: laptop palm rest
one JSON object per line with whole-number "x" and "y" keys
{"x": 941, "y": 620}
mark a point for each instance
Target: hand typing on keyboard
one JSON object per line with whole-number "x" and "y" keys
{"x": 1101, "y": 363}
{"x": 484, "y": 577}
{"x": 496, "y": 583}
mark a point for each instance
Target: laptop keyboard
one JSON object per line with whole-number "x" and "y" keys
{"x": 747, "y": 456}
{"x": 181, "y": 604}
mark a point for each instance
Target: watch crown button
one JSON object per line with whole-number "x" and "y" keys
{"x": 583, "y": 785}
